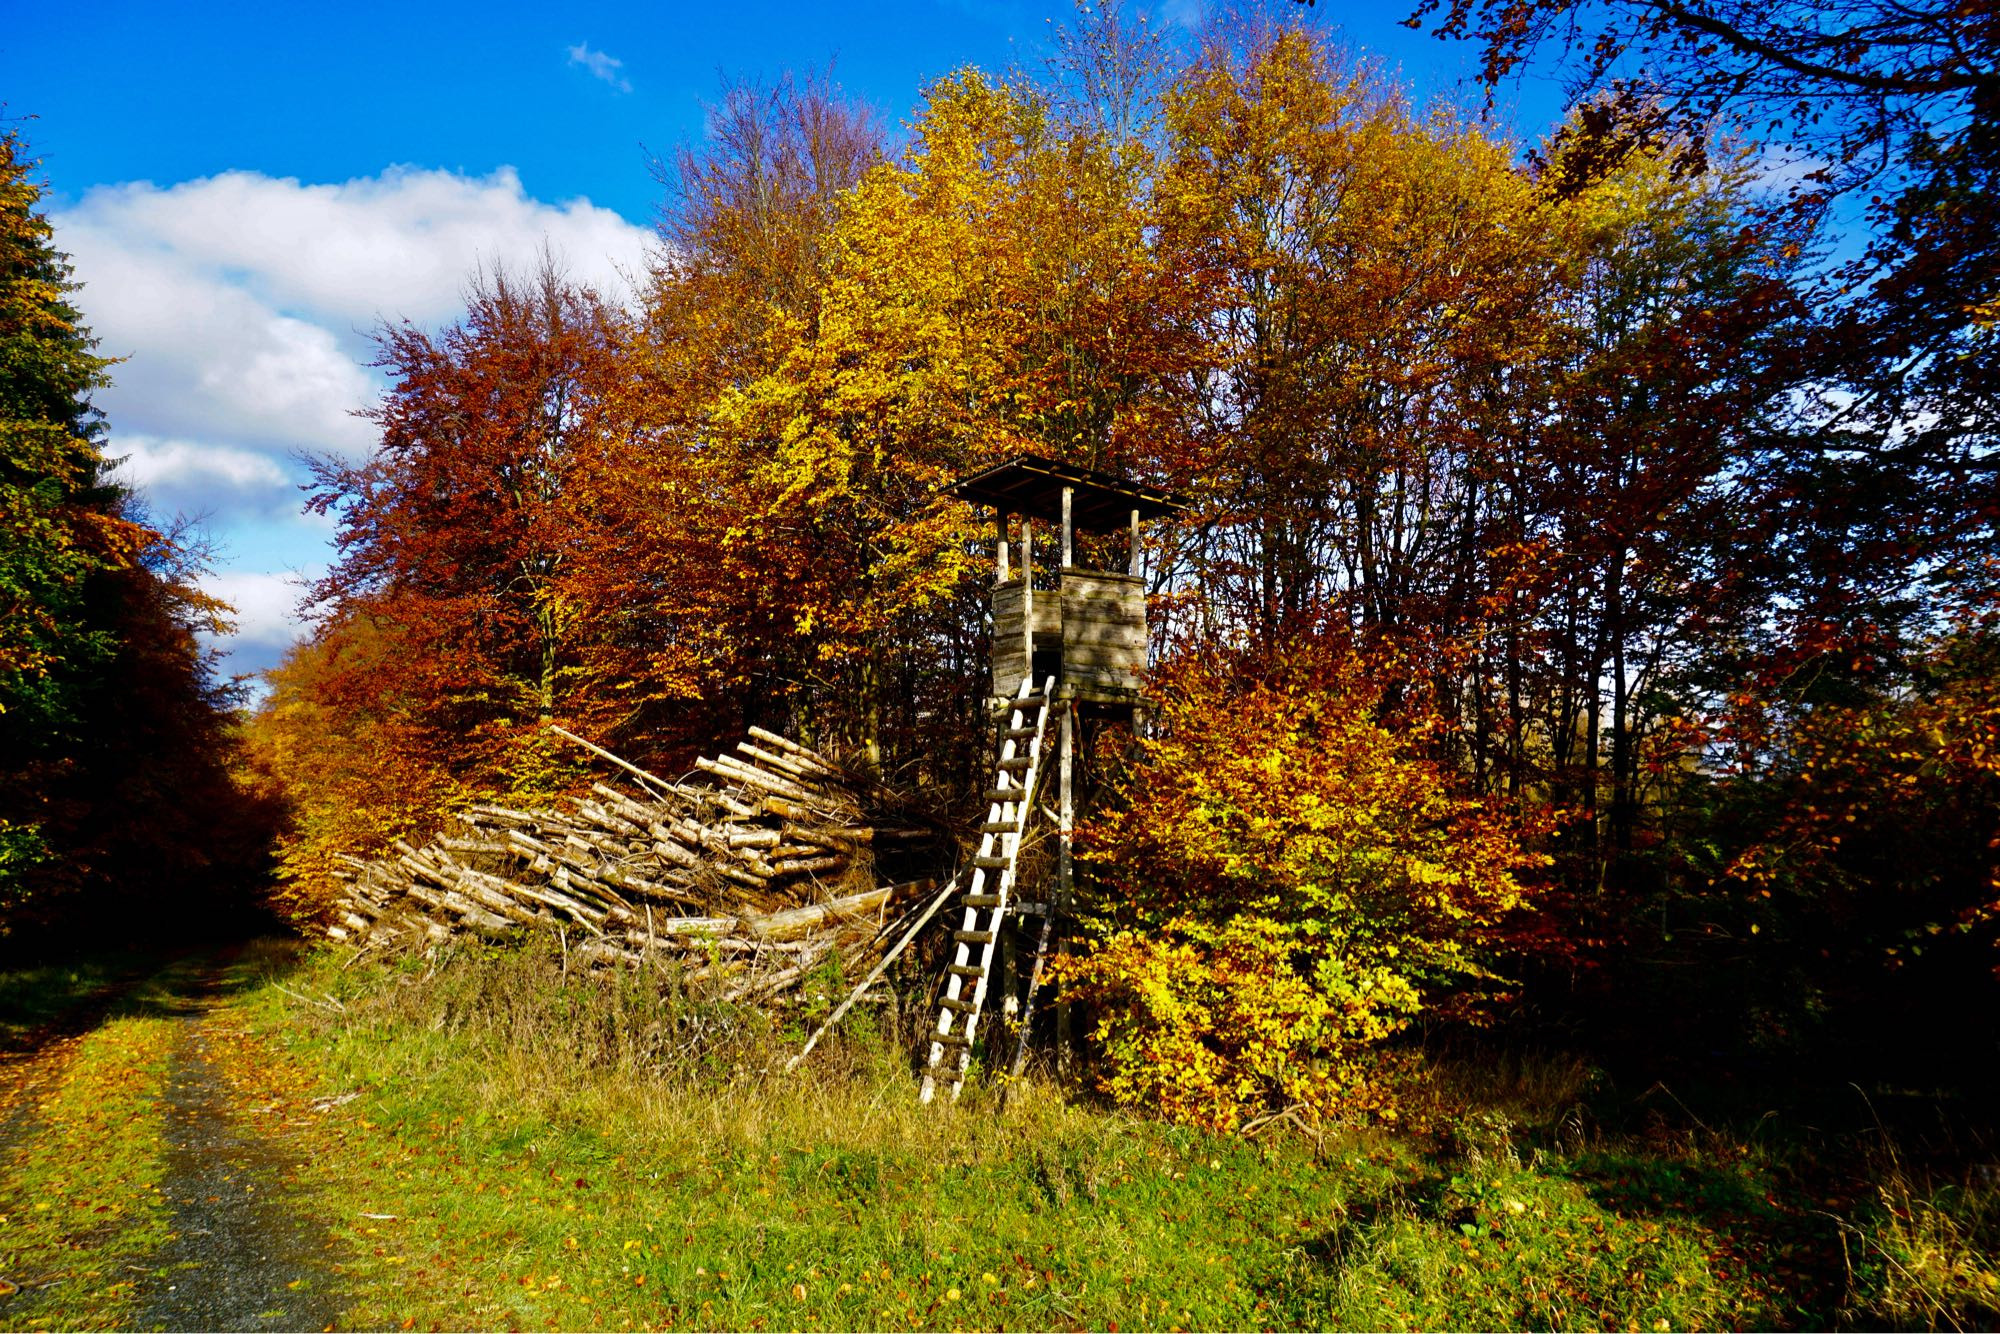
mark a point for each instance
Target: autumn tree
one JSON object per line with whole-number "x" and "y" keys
{"x": 1360, "y": 272}
{"x": 984, "y": 294}
{"x": 1667, "y": 358}
{"x": 455, "y": 536}
{"x": 59, "y": 524}
{"x": 1885, "y": 113}
{"x": 118, "y": 798}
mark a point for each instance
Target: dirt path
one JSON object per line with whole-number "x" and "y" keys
{"x": 239, "y": 1254}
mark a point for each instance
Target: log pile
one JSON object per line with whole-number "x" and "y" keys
{"x": 749, "y": 875}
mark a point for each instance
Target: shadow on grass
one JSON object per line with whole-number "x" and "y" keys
{"x": 1763, "y": 1228}
{"x": 45, "y": 1004}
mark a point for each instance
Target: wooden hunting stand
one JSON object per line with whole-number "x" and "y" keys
{"x": 1075, "y": 647}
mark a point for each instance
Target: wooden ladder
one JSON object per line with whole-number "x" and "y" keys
{"x": 985, "y": 901}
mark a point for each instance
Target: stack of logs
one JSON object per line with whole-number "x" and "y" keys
{"x": 749, "y": 877}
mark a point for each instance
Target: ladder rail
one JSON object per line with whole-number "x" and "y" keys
{"x": 1000, "y": 845}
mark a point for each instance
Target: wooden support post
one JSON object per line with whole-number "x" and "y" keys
{"x": 1132, "y": 563}
{"x": 1065, "y": 883}
{"x": 1069, "y": 531}
{"x": 1000, "y": 543}
{"x": 1066, "y": 816}
{"x": 1028, "y": 591}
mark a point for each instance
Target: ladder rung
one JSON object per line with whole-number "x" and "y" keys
{"x": 973, "y": 937}
{"x": 966, "y": 969}
{"x": 1026, "y": 702}
{"x": 981, "y": 900}
{"x": 991, "y": 863}
{"x": 961, "y": 1006}
{"x": 1016, "y": 733}
{"x": 1018, "y": 763}
{"x": 1010, "y": 795}
{"x": 1001, "y": 827}
{"x": 951, "y": 1039}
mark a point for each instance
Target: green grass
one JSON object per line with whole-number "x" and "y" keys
{"x": 589, "y": 1153}
{"x": 531, "y": 1184}
{"x": 487, "y": 1143}
{"x": 79, "y": 1205}
{"x": 85, "y": 1150}
{"x": 31, "y": 999}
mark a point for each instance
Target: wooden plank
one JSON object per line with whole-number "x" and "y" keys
{"x": 1116, "y": 636}
{"x": 1104, "y": 686}
{"x": 1104, "y": 613}
{"x": 1104, "y": 657}
{"x": 1104, "y": 678}
{"x": 1081, "y": 578}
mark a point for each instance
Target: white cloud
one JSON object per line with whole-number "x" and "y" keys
{"x": 267, "y": 605}
{"x": 192, "y": 477}
{"x": 600, "y": 65}
{"x": 151, "y": 462}
{"x": 243, "y": 305}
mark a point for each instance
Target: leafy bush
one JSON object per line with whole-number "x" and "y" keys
{"x": 1285, "y": 882}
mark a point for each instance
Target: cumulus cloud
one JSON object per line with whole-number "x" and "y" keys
{"x": 242, "y": 304}
{"x": 601, "y": 66}
{"x": 267, "y": 605}
{"x": 192, "y": 477}
{"x": 267, "y": 616}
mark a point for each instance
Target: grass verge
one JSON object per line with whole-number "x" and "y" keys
{"x": 502, "y": 1146}
{"x": 80, "y": 1210}
{"x": 485, "y": 1142}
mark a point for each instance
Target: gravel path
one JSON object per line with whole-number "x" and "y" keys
{"x": 239, "y": 1257}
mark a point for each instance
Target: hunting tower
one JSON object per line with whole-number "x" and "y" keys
{"x": 1087, "y": 628}
{"x": 1073, "y": 646}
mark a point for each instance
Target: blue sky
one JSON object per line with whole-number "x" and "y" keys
{"x": 246, "y": 190}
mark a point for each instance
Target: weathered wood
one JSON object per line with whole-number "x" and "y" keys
{"x": 798, "y": 751}
{"x": 802, "y": 774}
{"x": 1068, "y": 527}
{"x": 603, "y": 754}
{"x": 724, "y": 766}
{"x": 1107, "y": 657}
{"x": 800, "y": 921}
{"x": 741, "y": 847}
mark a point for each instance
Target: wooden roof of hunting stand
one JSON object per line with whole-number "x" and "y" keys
{"x": 1089, "y": 631}
{"x": 1101, "y": 502}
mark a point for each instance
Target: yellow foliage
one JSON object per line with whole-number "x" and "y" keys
{"x": 1285, "y": 883}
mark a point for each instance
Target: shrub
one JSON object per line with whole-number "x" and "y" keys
{"x": 1283, "y": 882}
